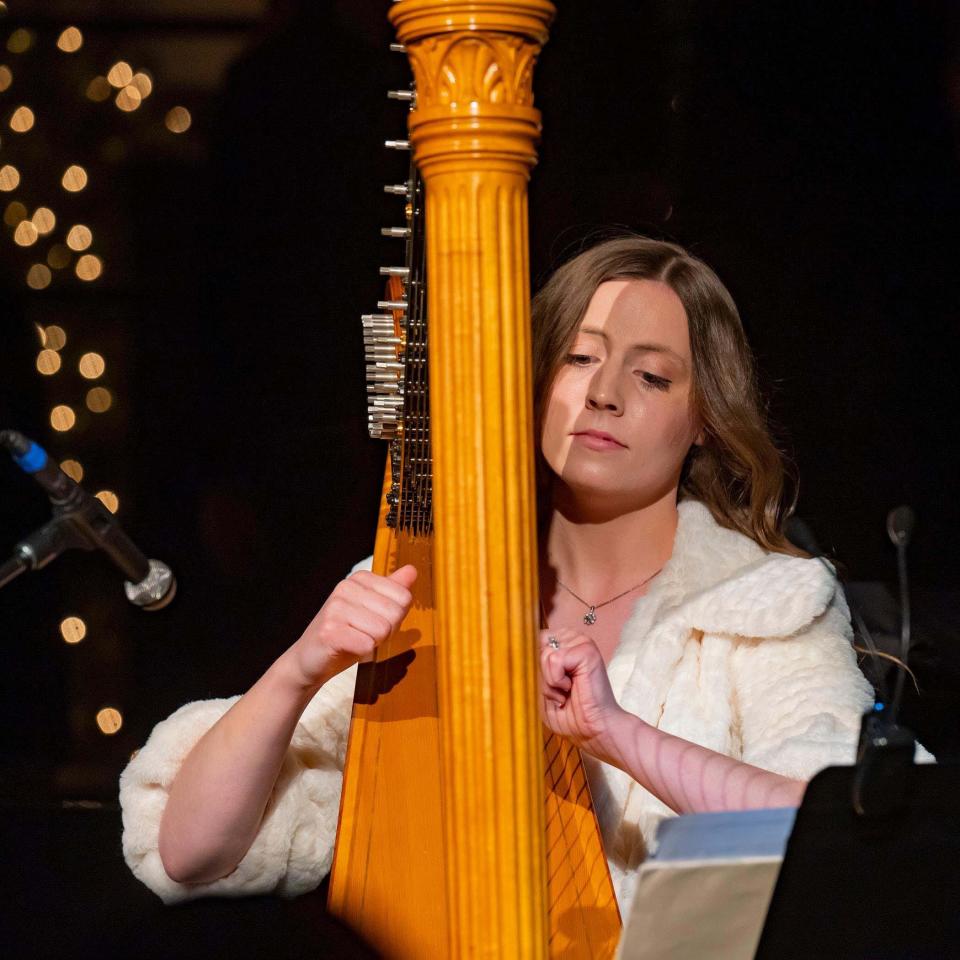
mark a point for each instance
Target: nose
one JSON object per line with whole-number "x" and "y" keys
{"x": 604, "y": 391}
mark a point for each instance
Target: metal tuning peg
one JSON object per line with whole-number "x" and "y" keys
{"x": 395, "y": 272}
{"x": 397, "y": 189}
{"x": 400, "y": 305}
{"x": 397, "y": 48}
{"x": 407, "y": 96}
{"x": 397, "y": 144}
{"x": 400, "y": 233}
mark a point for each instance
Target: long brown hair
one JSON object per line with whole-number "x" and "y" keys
{"x": 738, "y": 472}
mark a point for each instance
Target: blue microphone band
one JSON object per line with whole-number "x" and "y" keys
{"x": 33, "y": 460}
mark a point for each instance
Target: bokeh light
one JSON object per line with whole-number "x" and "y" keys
{"x": 178, "y": 120}
{"x": 109, "y": 499}
{"x": 98, "y": 89}
{"x": 129, "y": 98}
{"x": 89, "y": 267}
{"x": 120, "y": 74}
{"x": 55, "y": 337}
{"x": 73, "y": 469}
{"x": 20, "y": 41}
{"x": 62, "y": 418}
{"x": 141, "y": 80}
{"x": 109, "y": 720}
{"x": 58, "y": 256}
{"x": 74, "y": 178}
{"x": 48, "y": 362}
{"x": 79, "y": 237}
{"x": 22, "y": 120}
{"x": 44, "y": 219}
{"x": 14, "y": 212}
{"x": 39, "y": 276}
{"x": 73, "y": 629}
{"x": 6, "y": 77}
{"x": 99, "y": 400}
{"x": 70, "y": 41}
{"x": 26, "y": 234}
{"x": 91, "y": 366}
{"x": 9, "y": 177}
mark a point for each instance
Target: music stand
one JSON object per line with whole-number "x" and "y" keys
{"x": 877, "y": 886}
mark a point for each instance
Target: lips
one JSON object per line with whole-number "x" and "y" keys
{"x": 599, "y": 440}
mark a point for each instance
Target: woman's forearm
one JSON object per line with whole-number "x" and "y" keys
{"x": 689, "y": 778}
{"x": 219, "y": 795}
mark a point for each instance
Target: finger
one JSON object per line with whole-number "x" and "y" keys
{"x": 555, "y": 681}
{"x": 366, "y": 621}
{"x": 370, "y": 599}
{"x": 406, "y": 575}
{"x": 385, "y": 586}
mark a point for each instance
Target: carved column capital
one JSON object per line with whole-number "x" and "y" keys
{"x": 473, "y": 64}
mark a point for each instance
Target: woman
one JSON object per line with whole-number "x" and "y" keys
{"x": 698, "y": 659}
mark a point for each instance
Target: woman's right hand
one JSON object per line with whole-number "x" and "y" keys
{"x": 360, "y": 614}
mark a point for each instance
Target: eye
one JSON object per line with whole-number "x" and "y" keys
{"x": 654, "y": 382}
{"x": 579, "y": 359}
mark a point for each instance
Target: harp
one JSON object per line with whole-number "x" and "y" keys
{"x": 465, "y": 829}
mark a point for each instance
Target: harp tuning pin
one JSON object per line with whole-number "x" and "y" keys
{"x": 391, "y": 304}
{"x": 406, "y": 95}
{"x": 400, "y": 233}
{"x": 395, "y": 272}
{"x": 397, "y": 144}
{"x": 397, "y": 189}
{"x": 397, "y": 48}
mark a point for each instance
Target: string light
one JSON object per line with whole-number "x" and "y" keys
{"x": 62, "y": 418}
{"x": 74, "y": 178}
{"x": 22, "y": 120}
{"x": 70, "y": 41}
{"x": 15, "y": 212}
{"x": 120, "y": 74}
{"x": 79, "y": 237}
{"x": 89, "y": 267}
{"x": 109, "y": 499}
{"x": 26, "y": 234}
{"x": 20, "y": 41}
{"x": 129, "y": 98}
{"x": 98, "y": 89}
{"x": 44, "y": 219}
{"x": 58, "y": 257}
{"x": 48, "y": 362}
{"x": 109, "y": 720}
{"x": 92, "y": 366}
{"x": 39, "y": 276}
{"x": 73, "y": 469}
{"x": 9, "y": 177}
{"x": 99, "y": 400}
{"x": 178, "y": 120}
{"x": 55, "y": 337}
{"x": 141, "y": 80}
{"x": 73, "y": 629}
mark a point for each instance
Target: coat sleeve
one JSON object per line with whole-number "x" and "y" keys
{"x": 293, "y": 848}
{"x": 800, "y": 698}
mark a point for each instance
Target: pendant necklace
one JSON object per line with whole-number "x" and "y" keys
{"x": 590, "y": 617}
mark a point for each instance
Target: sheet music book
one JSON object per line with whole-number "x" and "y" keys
{"x": 705, "y": 890}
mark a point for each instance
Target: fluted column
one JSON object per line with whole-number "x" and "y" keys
{"x": 474, "y": 132}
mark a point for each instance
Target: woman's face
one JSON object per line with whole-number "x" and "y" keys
{"x": 618, "y": 422}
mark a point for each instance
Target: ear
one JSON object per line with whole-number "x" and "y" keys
{"x": 700, "y": 438}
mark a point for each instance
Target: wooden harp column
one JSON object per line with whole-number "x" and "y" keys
{"x": 473, "y": 134}
{"x": 463, "y": 831}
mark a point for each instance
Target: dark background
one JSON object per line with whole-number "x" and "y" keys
{"x": 808, "y": 152}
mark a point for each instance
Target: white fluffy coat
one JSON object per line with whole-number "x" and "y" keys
{"x": 743, "y": 651}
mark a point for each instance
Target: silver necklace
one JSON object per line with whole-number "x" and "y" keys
{"x": 590, "y": 617}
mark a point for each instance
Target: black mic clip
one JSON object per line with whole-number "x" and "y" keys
{"x": 884, "y": 755}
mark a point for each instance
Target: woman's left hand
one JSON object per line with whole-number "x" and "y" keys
{"x": 577, "y": 701}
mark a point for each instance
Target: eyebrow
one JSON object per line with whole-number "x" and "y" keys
{"x": 646, "y": 347}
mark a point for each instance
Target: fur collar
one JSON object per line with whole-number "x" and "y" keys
{"x": 720, "y": 581}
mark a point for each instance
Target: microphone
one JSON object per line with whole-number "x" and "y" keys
{"x": 81, "y": 521}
